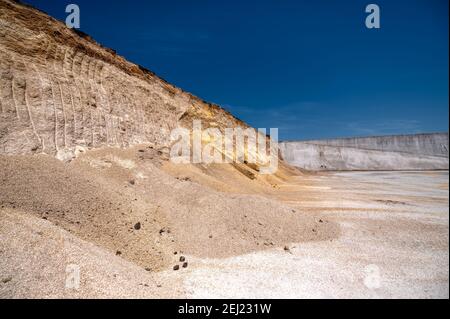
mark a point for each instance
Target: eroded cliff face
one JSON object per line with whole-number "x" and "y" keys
{"x": 61, "y": 91}
{"x": 378, "y": 153}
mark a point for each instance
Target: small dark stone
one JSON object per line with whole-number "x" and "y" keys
{"x": 132, "y": 182}
{"x": 175, "y": 252}
{"x": 148, "y": 269}
{"x": 210, "y": 236}
{"x": 141, "y": 151}
{"x": 182, "y": 258}
{"x": 320, "y": 221}
{"x": 118, "y": 253}
{"x": 6, "y": 280}
{"x": 176, "y": 267}
{"x": 185, "y": 264}
{"x": 137, "y": 226}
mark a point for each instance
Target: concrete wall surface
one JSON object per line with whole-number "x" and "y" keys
{"x": 398, "y": 152}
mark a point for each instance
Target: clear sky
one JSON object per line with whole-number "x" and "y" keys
{"x": 310, "y": 68}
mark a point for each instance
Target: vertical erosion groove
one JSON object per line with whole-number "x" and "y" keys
{"x": 56, "y": 118}
{"x": 64, "y": 115}
{"x": 30, "y": 115}
{"x": 14, "y": 98}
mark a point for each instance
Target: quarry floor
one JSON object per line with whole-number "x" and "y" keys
{"x": 392, "y": 243}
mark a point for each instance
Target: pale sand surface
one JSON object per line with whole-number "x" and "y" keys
{"x": 351, "y": 235}
{"x": 36, "y": 259}
{"x": 393, "y": 244}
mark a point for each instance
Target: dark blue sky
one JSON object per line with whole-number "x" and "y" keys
{"x": 310, "y": 68}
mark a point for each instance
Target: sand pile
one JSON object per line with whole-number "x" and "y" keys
{"x": 203, "y": 221}
{"x": 107, "y": 215}
{"x": 35, "y": 254}
{"x": 123, "y": 201}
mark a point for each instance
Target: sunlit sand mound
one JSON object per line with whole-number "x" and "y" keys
{"x": 121, "y": 200}
{"x": 36, "y": 256}
{"x": 90, "y": 207}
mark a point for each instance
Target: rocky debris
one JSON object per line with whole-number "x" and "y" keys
{"x": 164, "y": 230}
{"x": 391, "y": 202}
{"x": 182, "y": 258}
{"x": 6, "y": 280}
{"x": 176, "y": 267}
{"x": 185, "y": 264}
{"x": 137, "y": 226}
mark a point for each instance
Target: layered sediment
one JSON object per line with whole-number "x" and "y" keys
{"x": 60, "y": 90}
{"x": 397, "y": 152}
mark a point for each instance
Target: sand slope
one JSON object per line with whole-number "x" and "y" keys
{"x": 392, "y": 225}
{"x": 123, "y": 201}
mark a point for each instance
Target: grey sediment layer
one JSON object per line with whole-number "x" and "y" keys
{"x": 394, "y": 152}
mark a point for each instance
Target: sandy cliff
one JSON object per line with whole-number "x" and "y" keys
{"x": 59, "y": 89}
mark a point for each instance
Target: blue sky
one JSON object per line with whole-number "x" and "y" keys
{"x": 310, "y": 68}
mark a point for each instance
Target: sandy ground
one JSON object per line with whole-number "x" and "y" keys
{"x": 393, "y": 244}
{"x": 351, "y": 235}
{"x": 40, "y": 260}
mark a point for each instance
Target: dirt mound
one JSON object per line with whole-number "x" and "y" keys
{"x": 35, "y": 256}
{"x": 122, "y": 200}
{"x": 88, "y": 207}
